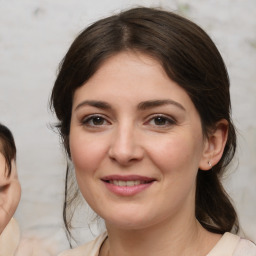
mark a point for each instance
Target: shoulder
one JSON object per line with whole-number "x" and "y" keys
{"x": 92, "y": 248}
{"x": 9, "y": 239}
{"x": 245, "y": 247}
{"x": 233, "y": 245}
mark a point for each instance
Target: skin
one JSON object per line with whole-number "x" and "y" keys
{"x": 10, "y": 192}
{"x": 128, "y": 135}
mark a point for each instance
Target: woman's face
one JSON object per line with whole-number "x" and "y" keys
{"x": 9, "y": 193}
{"x": 136, "y": 143}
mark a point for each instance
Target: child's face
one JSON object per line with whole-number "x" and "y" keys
{"x": 10, "y": 192}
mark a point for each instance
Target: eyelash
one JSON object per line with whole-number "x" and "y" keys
{"x": 168, "y": 120}
{"x": 86, "y": 121}
{"x": 3, "y": 188}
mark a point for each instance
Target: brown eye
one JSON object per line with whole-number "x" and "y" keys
{"x": 161, "y": 120}
{"x": 94, "y": 120}
{"x": 97, "y": 120}
{"x": 4, "y": 188}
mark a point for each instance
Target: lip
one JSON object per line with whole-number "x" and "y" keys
{"x": 130, "y": 190}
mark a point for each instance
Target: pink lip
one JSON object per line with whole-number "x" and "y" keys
{"x": 127, "y": 190}
{"x": 127, "y": 178}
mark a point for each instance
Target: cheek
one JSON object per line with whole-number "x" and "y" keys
{"x": 177, "y": 154}
{"x": 16, "y": 195}
{"x": 86, "y": 153}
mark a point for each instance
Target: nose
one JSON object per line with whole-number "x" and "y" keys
{"x": 126, "y": 147}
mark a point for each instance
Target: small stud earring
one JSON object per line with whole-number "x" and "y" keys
{"x": 210, "y": 164}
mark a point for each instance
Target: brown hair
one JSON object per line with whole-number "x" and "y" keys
{"x": 7, "y": 147}
{"x": 189, "y": 57}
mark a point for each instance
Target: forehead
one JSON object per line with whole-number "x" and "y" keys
{"x": 132, "y": 75}
{"x": 133, "y": 57}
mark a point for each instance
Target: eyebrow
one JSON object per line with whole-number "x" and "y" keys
{"x": 141, "y": 106}
{"x": 157, "y": 103}
{"x": 94, "y": 103}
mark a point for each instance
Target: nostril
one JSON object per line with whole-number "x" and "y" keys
{"x": 125, "y": 147}
{"x": 124, "y": 157}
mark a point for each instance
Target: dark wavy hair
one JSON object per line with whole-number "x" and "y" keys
{"x": 189, "y": 57}
{"x": 7, "y": 147}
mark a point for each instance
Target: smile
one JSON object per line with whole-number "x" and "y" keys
{"x": 127, "y": 185}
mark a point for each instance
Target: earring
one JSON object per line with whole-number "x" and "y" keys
{"x": 210, "y": 164}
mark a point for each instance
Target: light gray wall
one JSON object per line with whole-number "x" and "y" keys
{"x": 34, "y": 36}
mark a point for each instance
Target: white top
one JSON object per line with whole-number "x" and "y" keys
{"x": 228, "y": 245}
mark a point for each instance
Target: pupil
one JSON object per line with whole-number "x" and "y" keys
{"x": 160, "y": 121}
{"x": 98, "y": 120}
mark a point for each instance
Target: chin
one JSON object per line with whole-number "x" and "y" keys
{"x": 128, "y": 221}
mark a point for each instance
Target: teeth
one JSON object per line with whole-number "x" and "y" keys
{"x": 128, "y": 183}
{"x": 121, "y": 183}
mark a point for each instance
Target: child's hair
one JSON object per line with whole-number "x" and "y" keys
{"x": 7, "y": 147}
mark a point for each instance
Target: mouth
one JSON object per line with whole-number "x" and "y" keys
{"x": 127, "y": 185}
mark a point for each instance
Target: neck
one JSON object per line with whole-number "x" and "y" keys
{"x": 165, "y": 239}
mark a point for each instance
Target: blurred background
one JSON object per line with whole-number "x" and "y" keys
{"x": 35, "y": 35}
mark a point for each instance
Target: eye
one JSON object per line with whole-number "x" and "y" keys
{"x": 4, "y": 188}
{"x": 161, "y": 121}
{"x": 94, "y": 121}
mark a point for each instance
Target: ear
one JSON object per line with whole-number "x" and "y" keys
{"x": 214, "y": 145}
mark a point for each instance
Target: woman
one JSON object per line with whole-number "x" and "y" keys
{"x": 9, "y": 193}
{"x": 143, "y": 105}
